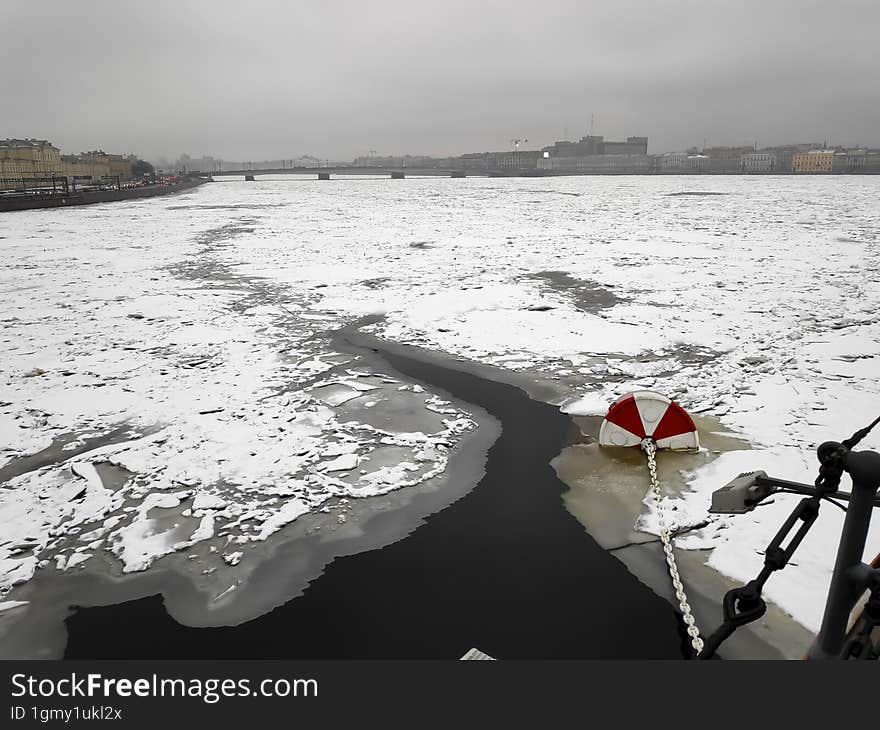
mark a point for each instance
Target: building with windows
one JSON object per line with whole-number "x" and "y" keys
{"x": 672, "y": 161}
{"x": 872, "y": 162}
{"x": 632, "y": 146}
{"x": 855, "y": 159}
{"x": 597, "y": 145}
{"x": 727, "y": 153}
{"x": 849, "y": 160}
{"x": 101, "y": 164}
{"x": 725, "y": 159}
{"x": 813, "y": 161}
{"x": 512, "y": 160}
{"x": 28, "y": 158}
{"x": 594, "y": 154}
{"x": 608, "y": 164}
{"x": 698, "y": 163}
{"x": 839, "y": 161}
{"x": 517, "y": 160}
{"x": 728, "y": 165}
{"x": 32, "y": 159}
{"x": 785, "y": 153}
{"x": 684, "y": 162}
{"x": 759, "y": 162}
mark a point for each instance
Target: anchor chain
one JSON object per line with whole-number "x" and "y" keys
{"x": 650, "y": 449}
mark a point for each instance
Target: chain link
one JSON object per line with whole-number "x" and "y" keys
{"x": 650, "y": 449}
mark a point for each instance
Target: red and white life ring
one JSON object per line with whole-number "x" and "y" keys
{"x": 642, "y": 414}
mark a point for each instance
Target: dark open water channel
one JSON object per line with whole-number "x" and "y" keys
{"x": 506, "y": 569}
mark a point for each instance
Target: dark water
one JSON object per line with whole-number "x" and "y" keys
{"x": 506, "y": 569}
{"x": 55, "y": 453}
{"x": 588, "y": 296}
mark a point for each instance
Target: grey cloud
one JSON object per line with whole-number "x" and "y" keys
{"x": 253, "y": 80}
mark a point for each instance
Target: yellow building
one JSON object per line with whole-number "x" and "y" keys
{"x": 813, "y": 161}
{"x": 75, "y": 167}
{"x": 27, "y": 159}
{"x": 100, "y": 164}
{"x": 24, "y": 158}
{"x": 120, "y": 165}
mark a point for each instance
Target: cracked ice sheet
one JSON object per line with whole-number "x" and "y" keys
{"x": 48, "y": 515}
{"x": 779, "y": 279}
{"x": 226, "y": 445}
{"x": 776, "y": 279}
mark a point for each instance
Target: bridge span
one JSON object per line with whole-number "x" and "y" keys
{"x": 324, "y": 173}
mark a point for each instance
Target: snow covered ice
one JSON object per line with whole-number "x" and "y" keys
{"x": 208, "y": 391}
{"x": 191, "y": 329}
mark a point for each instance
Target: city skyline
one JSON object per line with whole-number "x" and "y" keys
{"x": 378, "y": 154}
{"x": 29, "y": 159}
{"x": 704, "y": 144}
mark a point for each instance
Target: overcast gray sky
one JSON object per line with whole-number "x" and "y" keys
{"x": 258, "y": 79}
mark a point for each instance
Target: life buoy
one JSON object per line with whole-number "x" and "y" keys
{"x": 646, "y": 414}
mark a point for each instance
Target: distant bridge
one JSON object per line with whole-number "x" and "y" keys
{"x": 324, "y": 173}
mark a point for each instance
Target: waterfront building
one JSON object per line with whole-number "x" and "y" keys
{"x": 872, "y": 162}
{"x": 759, "y": 162}
{"x": 101, "y": 164}
{"x": 785, "y": 153}
{"x": 632, "y": 146}
{"x": 723, "y": 165}
{"x": 517, "y": 160}
{"x": 725, "y": 159}
{"x": 856, "y": 159}
{"x": 477, "y": 160}
{"x": 727, "y": 153}
{"x": 813, "y": 161}
{"x": 28, "y": 158}
{"x": 671, "y": 161}
{"x": 698, "y": 163}
{"x": 75, "y": 168}
{"x": 586, "y": 146}
{"x": 31, "y": 159}
{"x": 838, "y": 162}
{"x": 512, "y": 160}
{"x": 609, "y": 164}
{"x": 597, "y": 145}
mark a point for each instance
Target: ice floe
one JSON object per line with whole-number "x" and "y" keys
{"x": 199, "y": 392}
{"x": 196, "y": 337}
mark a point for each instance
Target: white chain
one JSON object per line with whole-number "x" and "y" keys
{"x": 650, "y": 449}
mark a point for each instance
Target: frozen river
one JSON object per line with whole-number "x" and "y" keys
{"x": 171, "y": 392}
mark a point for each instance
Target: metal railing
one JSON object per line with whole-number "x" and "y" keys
{"x": 851, "y": 580}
